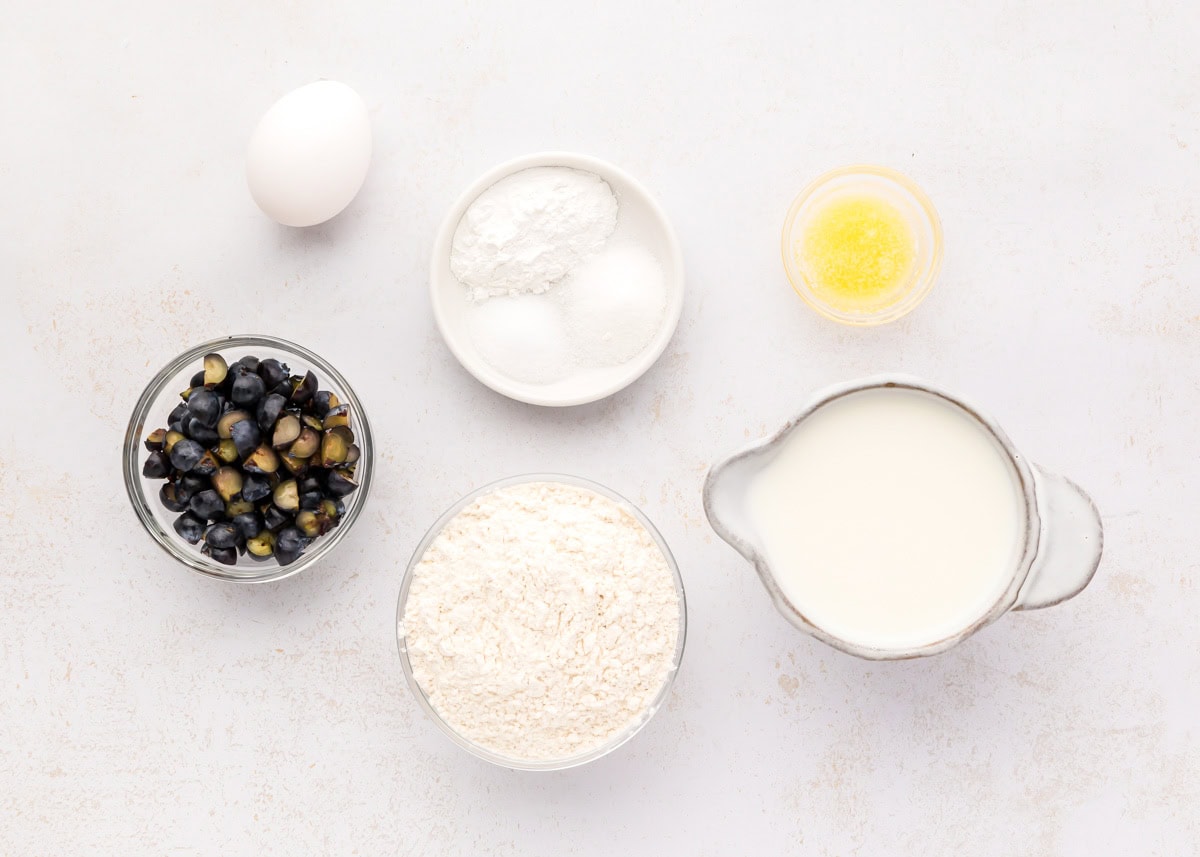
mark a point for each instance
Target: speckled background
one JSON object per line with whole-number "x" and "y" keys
{"x": 148, "y": 710}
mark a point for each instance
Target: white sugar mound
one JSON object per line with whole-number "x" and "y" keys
{"x": 614, "y": 305}
{"x": 522, "y": 337}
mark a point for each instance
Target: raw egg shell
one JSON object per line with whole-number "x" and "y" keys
{"x": 309, "y": 154}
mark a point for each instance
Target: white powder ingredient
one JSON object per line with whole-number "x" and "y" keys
{"x": 542, "y": 621}
{"x": 525, "y": 338}
{"x": 614, "y": 304}
{"x": 528, "y": 230}
{"x": 604, "y": 313}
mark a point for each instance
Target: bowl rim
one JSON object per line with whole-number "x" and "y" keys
{"x": 191, "y": 557}
{"x": 919, "y": 291}
{"x": 418, "y": 692}
{"x": 453, "y": 336}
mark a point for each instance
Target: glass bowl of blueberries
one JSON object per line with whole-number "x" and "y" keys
{"x": 248, "y": 458}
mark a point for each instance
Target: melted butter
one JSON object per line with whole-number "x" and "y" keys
{"x": 858, "y": 252}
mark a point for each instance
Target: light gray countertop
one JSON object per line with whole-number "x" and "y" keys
{"x": 148, "y": 710}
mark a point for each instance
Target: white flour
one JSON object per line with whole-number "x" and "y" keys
{"x": 528, "y": 230}
{"x": 542, "y": 621}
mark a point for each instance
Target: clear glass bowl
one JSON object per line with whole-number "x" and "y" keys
{"x": 618, "y": 739}
{"x": 893, "y": 187}
{"x": 162, "y": 395}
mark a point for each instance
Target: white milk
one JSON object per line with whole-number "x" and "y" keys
{"x": 890, "y": 517}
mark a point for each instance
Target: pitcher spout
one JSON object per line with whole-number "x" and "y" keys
{"x": 725, "y": 490}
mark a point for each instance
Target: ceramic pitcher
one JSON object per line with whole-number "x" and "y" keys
{"x": 1063, "y": 536}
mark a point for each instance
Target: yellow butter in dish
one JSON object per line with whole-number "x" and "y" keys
{"x": 858, "y": 252}
{"x": 862, "y": 245}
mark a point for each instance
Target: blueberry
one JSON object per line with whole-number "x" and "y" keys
{"x": 189, "y": 486}
{"x": 225, "y": 556}
{"x": 170, "y": 499}
{"x": 198, "y": 379}
{"x": 255, "y": 488}
{"x": 214, "y": 370}
{"x": 272, "y": 372}
{"x": 247, "y": 389}
{"x": 157, "y": 465}
{"x": 228, "y": 482}
{"x": 286, "y": 496}
{"x": 311, "y": 500}
{"x": 340, "y": 483}
{"x": 309, "y": 523}
{"x": 207, "y": 504}
{"x": 238, "y": 507}
{"x": 291, "y": 536}
{"x": 207, "y": 465}
{"x": 262, "y": 460}
{"x": 189, "y": 527}
{"x": 304, "y": 388}
{"x": 275, "y": 518}
{"x": 288, "y": 545}
{"x": 309, "y": 484}
{"x": 323, "y": 401}
{"x": 156, "y": 440}
{"x": 261, "y": 546}
{"x": 203, "y": 434}
{"x": 186, "y": 454}
{"x": 246, "y": 436}
{"x": 269, "y": 410}
{"x": 223, "y": 535}
{"x": 250, "y": 363}
{"x": 205, "y": 406}
{"x": 286, "y": 431}
{"x": 248, "y": 524}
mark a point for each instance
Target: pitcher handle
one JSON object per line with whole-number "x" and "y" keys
{"x": 1069, "y": 546}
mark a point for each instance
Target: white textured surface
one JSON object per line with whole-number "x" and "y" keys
{"x": 147, "y": 710}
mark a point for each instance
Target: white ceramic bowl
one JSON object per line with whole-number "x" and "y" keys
{"x": 639, "y": 219}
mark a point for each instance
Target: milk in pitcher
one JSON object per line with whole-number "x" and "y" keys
{"x": 891, "y": 518}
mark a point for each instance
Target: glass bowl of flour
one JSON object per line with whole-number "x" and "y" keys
{"x": 556, "y": 279}
{"x": 541, "y": 622}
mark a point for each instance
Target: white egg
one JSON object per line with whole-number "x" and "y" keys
{"x": 309, "y": 154}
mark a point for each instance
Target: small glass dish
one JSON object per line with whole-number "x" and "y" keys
{"x": 618, "y": 739}
{"x": 162, "y": 395}
{"x": 891, "y": 187}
